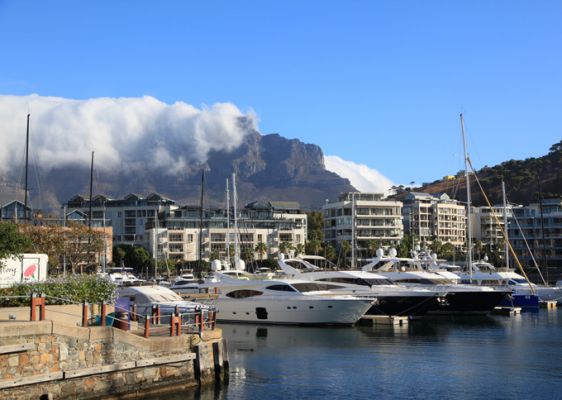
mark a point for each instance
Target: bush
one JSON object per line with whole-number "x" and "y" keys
{"x": 74, "y": 289}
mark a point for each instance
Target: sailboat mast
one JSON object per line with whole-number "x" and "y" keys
{"x": 26, "y": 216}
{"x": 236, "y": 241}
{"x": 227, "y": 241}
{"x": 506, "y": 249}
{"x": 468, "y": 201}
{"x": 200, "y": 262}
{"x": 353, "y": 242}
{"x": 91, "y": 187}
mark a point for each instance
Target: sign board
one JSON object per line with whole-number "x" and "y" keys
{"x": 30, "y": 268}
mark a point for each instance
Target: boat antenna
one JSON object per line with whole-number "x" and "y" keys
{"x": 468, "y": 201}
{"x": 353, "y": 242}
{"x": 200, "y": 261}
{"x": 236, "y": 239}
{"x": 26, "y": 215}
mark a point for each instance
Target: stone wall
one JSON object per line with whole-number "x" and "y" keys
{"x": 41, "y": 358}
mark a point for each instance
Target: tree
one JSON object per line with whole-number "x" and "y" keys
{"x": 373, "y": 245}
{"x": 478, "y": 247}
{"x": 345, "y": 248}
{"x": 261, "y": 249}
{"x": 247, "y": 253}
{"x": 436, "y": 246}
{"x": 285, "y": 247}
{"x": 330, "y": 252}
{"x": 313, "y": 246}
{"x": 315, "y": 225}
{"x": 12, "y": 242}
{"x": 299, "y": 249}
{"x": 49, "y": 239}
{"x": 447, "y": 251}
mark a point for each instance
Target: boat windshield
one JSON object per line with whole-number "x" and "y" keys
{"x": 164, "y": 297}
{"x": 314, "y": 287}
{"x": 357, "y": 281}
{"x": 517, "y": 281}
{"x": 425, "y": 281}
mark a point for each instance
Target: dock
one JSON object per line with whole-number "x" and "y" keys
{"x": 507, "y": 311}
{"x": 386, "y": 320}
{"x": 548, "y": 304}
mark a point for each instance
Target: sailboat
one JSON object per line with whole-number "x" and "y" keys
{"x": 484, "y": 273}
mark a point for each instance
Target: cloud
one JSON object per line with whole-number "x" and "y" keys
{"x": 362, "y": 177}
{"x": 125, "y": 133}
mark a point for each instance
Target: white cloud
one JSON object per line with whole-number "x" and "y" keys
{"x": 362, "y": 177}
{"x": 124, "y": 132}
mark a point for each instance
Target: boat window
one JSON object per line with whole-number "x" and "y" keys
{"x": 517, "y": 281}
{"x": 281, "y": 288}
{"x": 425, "y": 281}
{"x": 243, "y": 293}
{"x": 357, "y": 281}
{"x": 314, "y": 287}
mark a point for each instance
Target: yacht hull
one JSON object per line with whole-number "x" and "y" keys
{"x": 326, "y": 311}
{"x": 403, "y": 305}
{"x": 469, "y": 302}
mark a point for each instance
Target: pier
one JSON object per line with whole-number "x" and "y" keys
{"x": 57, "y": 357}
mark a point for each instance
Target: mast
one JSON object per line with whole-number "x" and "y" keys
{"x": 544, "y": 260}
{"x": 353, "y": 230}
{"x": 506, "y": 249}
{"x": 90, "y": 208}
{"x": 227, "y": 241}
{"x": 26, "y": 216}
{"x": 236, "y": 241}
{"x": 155, "y": 248}
{"x": 200, "y": 262}
{"x": 468, "y": 201}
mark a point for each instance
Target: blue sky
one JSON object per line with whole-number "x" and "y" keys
{"x": 377, "y": 83}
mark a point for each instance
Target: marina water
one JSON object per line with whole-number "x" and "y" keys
{"x": 495, "y": 357}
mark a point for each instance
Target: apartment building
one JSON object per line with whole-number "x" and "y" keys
{"x": 270, "y": 223}
{"x": 434, "y": 217}
{"x": 534, "y": 228}
{"x": 361, "y": 218}
{"x": 129, "y": 216}
{"x": 487, "y": 223}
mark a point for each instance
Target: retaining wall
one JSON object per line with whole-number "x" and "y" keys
{"x": 49, "y": 359}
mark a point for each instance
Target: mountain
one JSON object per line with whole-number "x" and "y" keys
{"x": 268, "y": 167}
{"x": 521, "y": 178}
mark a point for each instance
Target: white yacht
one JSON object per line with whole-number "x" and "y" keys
{"x": 461, "y": 299}
{"x": 145, "y": 297}
{"x": 484, "y": 273}
{"x": 285, "y": 301}
{"x": 391, "y": 299}
{"x": 123, "y": 277}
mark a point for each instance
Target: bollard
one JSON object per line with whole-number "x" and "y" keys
{"x": 84, "y": 314}
{"x": 156, "y": 314}
{"x": 103, "y": 307}
{"x": 146, "y": 327}
{"x": 134, "y": 312}
{"x": 37, "y": 302}
{"x": 175, "y": 325}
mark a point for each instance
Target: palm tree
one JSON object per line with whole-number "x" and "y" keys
{"x": 373, "y": 245}
{"x": 299, "y": 249}
{"x": 313, "y": 246}
{"x": 345, "y": 248}
{"x": 285, "y": 247}
{"x": 261, "y": 249}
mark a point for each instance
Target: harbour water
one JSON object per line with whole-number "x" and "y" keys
{"x": 488, "y": 357}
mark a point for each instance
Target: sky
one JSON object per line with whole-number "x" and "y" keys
{"x": 379, "y": 85}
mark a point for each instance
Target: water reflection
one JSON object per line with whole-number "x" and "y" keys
{"x": 498, "y": 357}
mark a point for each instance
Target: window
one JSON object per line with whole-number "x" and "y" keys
{"x": 243, "y": 293}
{"x": 281, "y": 288}
{"x": 314, "y": 287}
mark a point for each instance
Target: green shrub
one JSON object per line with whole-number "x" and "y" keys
{"x": 74, "y": 289}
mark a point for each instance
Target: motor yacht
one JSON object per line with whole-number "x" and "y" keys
{"x": 284, "y": 301}
{"x": 461, "y": 299}
{"x": 391, "y": 299}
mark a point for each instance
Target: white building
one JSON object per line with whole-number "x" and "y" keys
{"x": 435, "y": 217}
{"x": 361, "y": 218}
{"x": 487, "y": 224}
